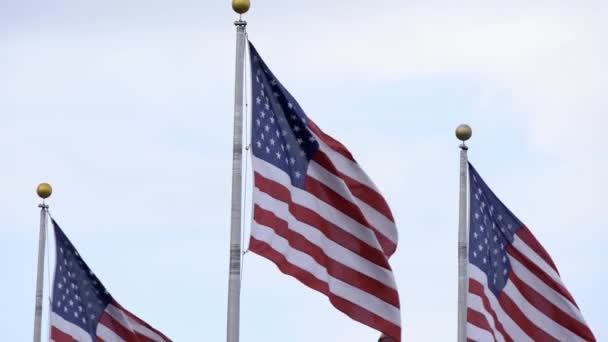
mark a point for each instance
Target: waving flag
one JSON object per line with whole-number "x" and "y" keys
{"x": 515, "y": 291}
{"x": 82, "y": 310}
{"x": 317, "y": 215}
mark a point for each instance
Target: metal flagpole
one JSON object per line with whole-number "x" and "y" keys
{"x": 234, "y": 277}
{"x": 463, "y": 133}
{"x": 44, "y": 190}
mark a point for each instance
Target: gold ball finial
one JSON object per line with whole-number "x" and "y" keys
{"x": 463, "y": 132}
{"x": 240, "y": 6}
{"x": 44, "y": 190}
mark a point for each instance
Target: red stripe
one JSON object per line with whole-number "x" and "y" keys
{"x": 363, "y": 192}
{"x": 329, "y": 196}
{"x": 538, "y": 272}
{"x": 334, "y": 268}
{"x": 329, "y": 141}
{"x": 536, "y": 333}
{"x": 526, "y": 235}
{"x": 477, "y": 288}
{"x": 59, "y": 336}
{"x": 352, "y": 310}
{"x": 551, "y": 310}
{"x": 313, "y": 219}
{"x": 139, "y": 320}
{"x": 122, "y": 331}
{"x": 479, "y": 320}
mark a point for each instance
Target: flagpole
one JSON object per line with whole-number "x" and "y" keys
{"x": 234, "y": 276}
{"x": 463, "y": 133}
{"x": 44, "y": 190}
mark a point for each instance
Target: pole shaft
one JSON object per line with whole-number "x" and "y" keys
{"x": 40, "y": 274}
{"x": 234, "y": 277}
{"x": 462, "y": 246}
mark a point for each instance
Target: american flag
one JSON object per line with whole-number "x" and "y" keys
{"x": 515, "y": 290}
{"x": 317, "y": 215}
{"x": 82, "y": 309}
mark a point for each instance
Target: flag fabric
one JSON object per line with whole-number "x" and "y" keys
{"x": 317, "y": 215}
{"x": 82, "y": 309}
{"x": 515, "y": 291}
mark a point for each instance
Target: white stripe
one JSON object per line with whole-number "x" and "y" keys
{"x": 131, "y": 324}
{"x": 334, "y": 250}
{"x": 477, "y": 334}
{"x": 385, "y": 226}
{"x": 323, "y": 209}
{"x": 511, "y": 328}
{"x": 537, "y": 317}
{"x": 526, "y": 250}
{"x": 107, "y": 334}
{"x": 345, "y": 165}
{"x": 69, "y": 328}
{"x": 545, "y": 290}
{"x": 336, "y": 286}
{"x": 475, "y": 302}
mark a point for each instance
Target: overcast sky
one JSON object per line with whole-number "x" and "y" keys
{"x": 126, "y": 107}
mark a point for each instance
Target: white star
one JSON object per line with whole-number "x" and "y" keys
{"x": 292, "y": 160}
{"x": 267, "y": 106}
{"x": 297, "y": 173}
{"x": 271, "y": 120}
{"x": 287, "y": 146}
{"x": 262, "y": 114}
{"x": 266, "y": 128}
{"x": 258, "y": 100}
{"x": 302, "y": 153}
{"x": 259, "y": 144}
{"x": 267, "y": 149}
{"x": 289, "y": 105}
{"x": 278, "y": 155}
{"x": 272, "y": 141}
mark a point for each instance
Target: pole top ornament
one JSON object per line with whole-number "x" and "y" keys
{"x": 241, "y": 6}
{"x": 464, "y": 132}
{"x": 44, "y": 190}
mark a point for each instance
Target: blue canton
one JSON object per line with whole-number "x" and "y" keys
{"x": 491, "y": 229}
{"x": 78, "y": 296}
{"x": 279, "y": 131}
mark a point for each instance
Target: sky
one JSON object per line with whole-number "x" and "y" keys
{"x": 126, "y": 109}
